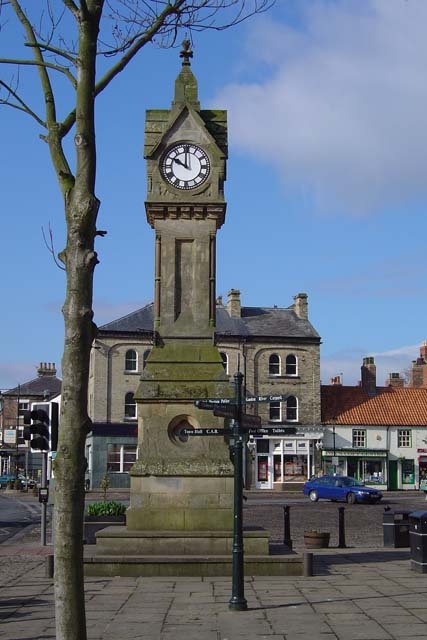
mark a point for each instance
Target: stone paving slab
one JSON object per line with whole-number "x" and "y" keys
{"x": 369, "y": 594}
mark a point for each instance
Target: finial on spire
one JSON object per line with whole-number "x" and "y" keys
{"x": 186, "y": 52}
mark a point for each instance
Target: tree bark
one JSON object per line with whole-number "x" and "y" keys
{"x": 79, "y": 257}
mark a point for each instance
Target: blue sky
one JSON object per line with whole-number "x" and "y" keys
{"x": 326, "y": 184}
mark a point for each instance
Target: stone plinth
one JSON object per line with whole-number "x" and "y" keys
{"x": 181, "y": 504}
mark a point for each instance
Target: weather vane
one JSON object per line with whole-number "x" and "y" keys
{"x": 186, "y": 52}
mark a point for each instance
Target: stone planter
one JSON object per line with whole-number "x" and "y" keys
{"x": 96, "y": 523}
{"x": 316, "y": 539}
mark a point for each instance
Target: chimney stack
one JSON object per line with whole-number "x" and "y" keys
{"x": 301, "y": 305}
{"x": 336, "y": 380}
{"x": 369, "y": 376}
{"x": 233, "y": 303}
{"x": 418, "y": 373}
{"x": 394, "y": 380}
{"x": 46, "y": 369}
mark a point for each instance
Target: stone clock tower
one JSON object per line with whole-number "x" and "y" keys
{"x": 180, "y": 519}
{"x": 182, "y": 483}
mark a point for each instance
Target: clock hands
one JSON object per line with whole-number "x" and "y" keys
{"x": 187, "y": 162}
{"x": 183, "y": 164}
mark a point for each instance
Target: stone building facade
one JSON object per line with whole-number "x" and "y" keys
{"x": 276, "y": 349}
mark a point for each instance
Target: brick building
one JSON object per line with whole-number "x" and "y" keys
{"x": 377, "y": 434}
{"x": 14, "y": 451}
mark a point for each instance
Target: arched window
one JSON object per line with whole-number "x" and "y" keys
{"x": 274, "y": 365}
{"x": 275, "y": 411}
{"x": 291, "y": 365}
{"x": 131, "y": 360}
{"x": 224, "y": 357}
{"x": 292, "y": 409}
{"x": 145, "y": 356}
{"x": 130, "y": 406}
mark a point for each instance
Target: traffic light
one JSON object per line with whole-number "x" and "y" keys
{"x": 54, "y": 422}
{"x": 42, "y": 431}
{"x": 39, "y": 427}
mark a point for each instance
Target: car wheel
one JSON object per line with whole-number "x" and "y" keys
{"x": 313, "y": 496}
{"x": 351, "y": 498}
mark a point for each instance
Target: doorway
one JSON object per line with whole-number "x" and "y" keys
{"x": 392, "y": 475}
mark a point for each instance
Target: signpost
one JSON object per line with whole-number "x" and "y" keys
{"x": 240, "y": 424}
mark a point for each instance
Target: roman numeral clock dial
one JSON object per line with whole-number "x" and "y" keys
{"x": 185, "y": 166}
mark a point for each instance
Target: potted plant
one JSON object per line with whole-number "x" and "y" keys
{"x": 316, "y": 539}
{"x": 103, "y": 514}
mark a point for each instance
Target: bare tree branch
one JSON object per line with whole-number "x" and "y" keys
{"x": 50, "y": 247}
{"x": 72, "y": 7}
{"x": 158, "y": 23}
{"x": 36, "y": 63}
{"x": 55, "y": 50}
{"x": 44, "y": 76}
{"x": 21, "y": 106}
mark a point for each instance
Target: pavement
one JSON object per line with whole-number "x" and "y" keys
{"x": 367, "y": 593}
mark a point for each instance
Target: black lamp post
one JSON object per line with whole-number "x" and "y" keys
{"x": 238, "y": 601}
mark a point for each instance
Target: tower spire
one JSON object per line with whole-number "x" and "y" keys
{"x": 186, "y": 90}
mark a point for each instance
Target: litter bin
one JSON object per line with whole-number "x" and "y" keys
{"x": 396, "y": 529}
{"x": 418, "y": 537}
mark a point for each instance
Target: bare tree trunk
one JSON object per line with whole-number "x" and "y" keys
{"x": 79, "y": 257}
{"x": 70, "y": 463}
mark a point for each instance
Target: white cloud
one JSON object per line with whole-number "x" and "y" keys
{"x": 341, "y": 111}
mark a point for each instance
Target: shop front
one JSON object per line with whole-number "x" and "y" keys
{"x": 422, "y": 469}
{"x": 285, "y": 461}
{"x": 369, "y": 466}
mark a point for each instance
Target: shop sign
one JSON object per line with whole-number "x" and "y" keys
{"x": 9, "y": 436}
{"x": 355, "y": 453}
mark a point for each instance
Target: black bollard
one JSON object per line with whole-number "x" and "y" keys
{"x": 341, "y": 528}
{"x": 307, "y": 564}
{"x": 49, "y": 566}
{"x": 287, "y": 527}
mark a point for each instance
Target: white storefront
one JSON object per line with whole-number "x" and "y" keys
{"x": 287, "y": 460}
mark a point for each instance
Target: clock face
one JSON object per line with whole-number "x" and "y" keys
{"x": 185, "y": 166}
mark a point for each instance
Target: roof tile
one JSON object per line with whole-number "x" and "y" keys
{"x": 389, "y": 407}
